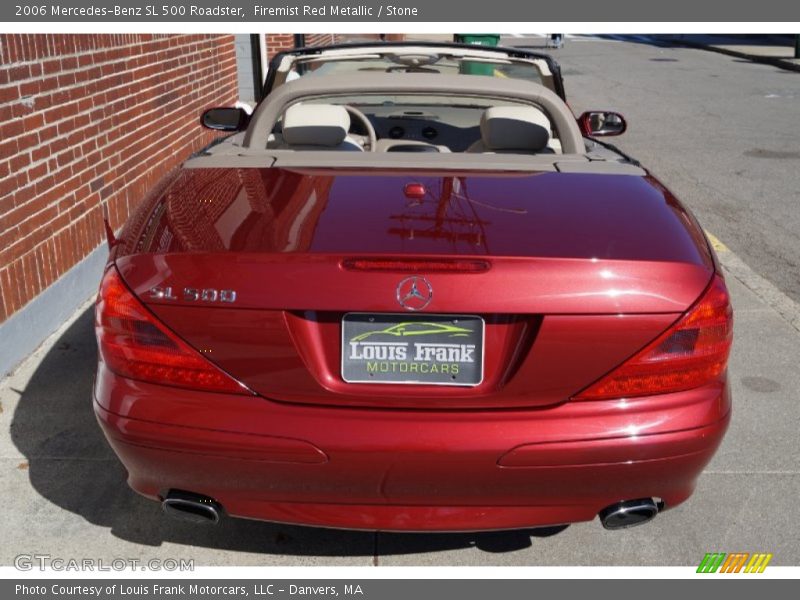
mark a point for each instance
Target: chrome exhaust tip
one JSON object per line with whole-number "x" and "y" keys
{"x": 629, "y": 513}
{"x": 191, "y": 507}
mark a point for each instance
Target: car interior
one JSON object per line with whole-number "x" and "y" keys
{"x": 415, "y": 125}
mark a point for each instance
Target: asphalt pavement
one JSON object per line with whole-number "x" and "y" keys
{"x": 776, "y": 50}
{"x": 707, "y": 126}
{"x": 720, "y": 131}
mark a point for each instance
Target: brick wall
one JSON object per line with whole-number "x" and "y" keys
{"x": 278, "y": 42}
{"x": 88, "y": 121}
{"x": 321, "y": 39}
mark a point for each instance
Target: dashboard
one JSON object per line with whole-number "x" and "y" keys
{"x": 454, "y": 127}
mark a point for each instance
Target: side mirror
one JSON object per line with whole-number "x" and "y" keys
{"x": 602, "y": 122}
{"x": 225, "y": 119}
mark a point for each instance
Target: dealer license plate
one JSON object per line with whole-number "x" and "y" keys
{"x": 412, "y": 349}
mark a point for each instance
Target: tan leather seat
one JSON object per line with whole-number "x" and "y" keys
{"x": 317, "y": 127}
{"x": 514, "y": 130}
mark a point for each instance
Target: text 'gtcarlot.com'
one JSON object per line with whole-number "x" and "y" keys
{"x": 29, "y": 562}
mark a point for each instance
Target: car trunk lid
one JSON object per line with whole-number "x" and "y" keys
{"x": 580, "y": 272}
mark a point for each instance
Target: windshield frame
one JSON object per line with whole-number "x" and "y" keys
{"x": 277, "y": 72}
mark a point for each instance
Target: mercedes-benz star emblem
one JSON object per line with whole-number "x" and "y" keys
{"x": 414, "y": 293}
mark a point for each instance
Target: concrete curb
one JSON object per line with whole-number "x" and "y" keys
{"x": 765, "y": 290}
{"x": 29, "y": 327}
{"x": 767, "y": 60}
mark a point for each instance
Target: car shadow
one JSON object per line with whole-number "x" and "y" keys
{"x": 71, "y": 465}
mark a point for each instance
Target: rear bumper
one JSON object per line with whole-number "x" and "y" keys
{"x": 410, "y": 470}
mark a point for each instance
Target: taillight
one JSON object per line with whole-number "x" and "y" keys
{"x": 133, "y": 343}
{"x": 691, "y": 353}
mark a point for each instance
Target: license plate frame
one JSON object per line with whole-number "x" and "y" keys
{"x": 447, "y": 349}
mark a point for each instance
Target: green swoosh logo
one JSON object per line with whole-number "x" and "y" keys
{"x": 416, "y": 328}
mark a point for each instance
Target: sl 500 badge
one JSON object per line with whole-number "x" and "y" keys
{"x": 194, "y": 294}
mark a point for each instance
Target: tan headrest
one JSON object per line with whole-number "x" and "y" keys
{"x": 315, "y": 125}
{"x": 515, "y": 128}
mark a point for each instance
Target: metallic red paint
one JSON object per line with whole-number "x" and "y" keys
{"x": 324, "y": 212}
{"x": 583, "y": 271}
{"x": 410, "y": 470}
{"x": 530, "y": 360}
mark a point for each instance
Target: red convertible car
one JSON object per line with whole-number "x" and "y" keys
{"x": 412, "y": 291}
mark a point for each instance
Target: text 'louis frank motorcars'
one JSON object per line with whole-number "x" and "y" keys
{"x": 412, "y": 291}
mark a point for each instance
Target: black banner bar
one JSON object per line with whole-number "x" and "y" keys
{"x": 392, "y": 589}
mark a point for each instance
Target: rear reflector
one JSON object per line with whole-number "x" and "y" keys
{"x": 691, "y": 353}
{"x": 133, "y": 343}
{"x": 416, "y": 265}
